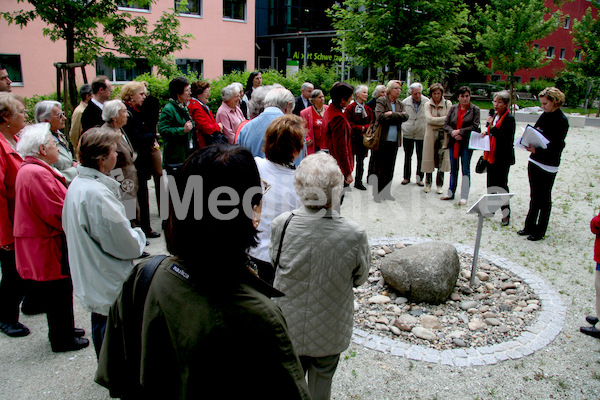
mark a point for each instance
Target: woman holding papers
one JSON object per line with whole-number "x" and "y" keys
{"x": 544, "y": 162}
{"x": 462, "y": 119}
{"x": 501, "y": 129}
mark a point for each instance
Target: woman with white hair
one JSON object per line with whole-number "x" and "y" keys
{"x": 115, "y": 117}
{"x": 319, "y": 256}
{"x": 51, "y": 111}
{"x": 40, "y": 244}
{"x": 229, "y": 113}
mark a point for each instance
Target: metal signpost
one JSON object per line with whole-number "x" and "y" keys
{"x": 485, "y": 207}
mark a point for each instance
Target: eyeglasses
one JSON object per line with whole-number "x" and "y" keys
{"x": 265, "y": 186}
{"x": 60, "y": 115}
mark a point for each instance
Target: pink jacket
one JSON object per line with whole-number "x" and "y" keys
{"x": 307, "y": 115}
{"x": 10, "y": 161}
{"x": 595, "y": 226}
{"x": 39, "y": 236}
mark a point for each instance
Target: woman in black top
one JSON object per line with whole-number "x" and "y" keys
{"x": 543, "y": 163}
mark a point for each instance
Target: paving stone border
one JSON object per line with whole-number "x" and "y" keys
{"x": 544, "y": 330}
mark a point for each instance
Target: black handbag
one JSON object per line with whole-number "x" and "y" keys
{"x": 481, "y": 166}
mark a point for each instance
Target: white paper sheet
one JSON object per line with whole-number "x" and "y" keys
{"x": 531, "y": 136}
{"x": 477, "y": 141}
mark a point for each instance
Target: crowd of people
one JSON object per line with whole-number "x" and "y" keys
{"x": 74, "y": 215}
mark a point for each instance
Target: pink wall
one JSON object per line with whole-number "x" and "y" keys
{"x": 214, "y": 40}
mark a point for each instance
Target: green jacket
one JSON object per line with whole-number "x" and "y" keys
{"x": 232, "y": 341}
{"x": 177, "y": 146}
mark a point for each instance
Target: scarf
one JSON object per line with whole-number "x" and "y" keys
{"x": 360, "y": 110}
{"x": 459, "y": 122}
{"x": 490, "y": 156}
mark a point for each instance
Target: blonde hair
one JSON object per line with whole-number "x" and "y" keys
{"x": 554, "y": 95}
{"x": 9, "y": 105}
{"x": 391, "y": 83}
{"x": 131, "y": 88}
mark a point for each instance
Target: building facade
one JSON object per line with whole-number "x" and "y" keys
{"x": 223, "y": 41}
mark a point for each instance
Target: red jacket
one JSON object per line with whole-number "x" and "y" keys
{"x": 339, "y": 132}
{"x": 39, "y": 236}
{"x": 204, "y": 120}
{"x": 595, "y": 225}
{"x": 358, "y": 123}
{"x": 10, "y": 161}
{"x": 316, "y": 136}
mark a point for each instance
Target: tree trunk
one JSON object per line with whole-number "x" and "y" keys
{"x": 71, "y": 95}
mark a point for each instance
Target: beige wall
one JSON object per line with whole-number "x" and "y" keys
{"x": 215, "y": 40}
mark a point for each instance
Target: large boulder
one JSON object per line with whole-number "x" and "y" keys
{"x": 425, "y": 272}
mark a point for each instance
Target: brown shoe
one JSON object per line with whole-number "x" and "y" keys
{"x": 420, "y": 183}
{"x": 447, "y": 198}
{"x": 405, "y": 181}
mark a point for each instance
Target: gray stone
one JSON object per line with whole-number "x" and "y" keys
{"x": 455, "y": 296}
{"x": 424, "y": 333}
{"x": 379, "y": 299}
{"x": 403, "y": 326}
{"x": 465, "y": 305}
{"x": 430, "y": 322}
{"x": 425, "y": 272}
{"x": 493, "y": 321}
{"x": 459, "y": 342}
{"x": 409, "y": 319}
{"x": 476, "y": 325}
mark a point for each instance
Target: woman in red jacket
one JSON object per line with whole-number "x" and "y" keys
{"x": 12, "y": 120}
{"x": 593, "y": 330}
{"x": 40, "y": 247}
{"x": 207, "y": 129}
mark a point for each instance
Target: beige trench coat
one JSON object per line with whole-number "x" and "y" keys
{"x": 435, "y": 117}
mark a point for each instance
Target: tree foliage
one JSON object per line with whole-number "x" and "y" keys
{"x": 585, "y": 35}
{"x": 424, "y": 35}
{"x": 507, "y": 30}
{"x": 93, "y": 28}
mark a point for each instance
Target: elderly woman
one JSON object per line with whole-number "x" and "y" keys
{"x": 115, "y": 115}
{"x": 229, "y": 113}
{"x": 208, "y": 131}
{"x": 51, "y": 111}
{"x": 313, "y": 115}
{"x": 40, "y": 248}
{"x": 379, "y": 91}
{"x": 284, "y": 141}
{"x": 389, "y": 113}
{"x": 175, "y": 126}
{"x": 319, "y": 256}
{"x": 12, "y": 120}
{"x": 143, "y": 141}
{"x": 187, "y": 318}
{"x": 462, "y": 119}
{"x": 338, "y": 130}
{"x": 102, "y": 244}
{"x": 543, "y": 163}
{"x": 501, "y": 129}
{"x": 254, "y": 81}
{"x": 435, "y": 152}
{"x": 360, "y": 116}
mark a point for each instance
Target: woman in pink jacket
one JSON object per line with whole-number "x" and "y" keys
{"x": 593, "y": 330}
{"x": 40, "y": 247}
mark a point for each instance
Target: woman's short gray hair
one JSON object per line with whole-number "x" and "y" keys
{"x": 42, "y": 111}
{"x": 229, "y": 91}
{"x": 256, "y": 105}
{"x": 319, "y": 181}
{"x": 32, "y": 137}
{"x": 315, "y": 93}
{"x": 378, "y": 90}
{"x": 503, "y": 95}
{"x": 111, "y": 110}
{"x": 360, "y": 88}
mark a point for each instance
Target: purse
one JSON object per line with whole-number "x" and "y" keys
{"x": 481, "y": 166}
{"x": 287, "y": 222}
{"x": 372, "y": 136}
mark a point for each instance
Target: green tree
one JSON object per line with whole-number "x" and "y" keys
{"x": 506, "y": 35}
{"x": 585, "y": 35}
{"x": 78, "y": 23}
{"x": 425, "y": 36}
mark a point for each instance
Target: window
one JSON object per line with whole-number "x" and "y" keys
{"x": 12, "y": 63}
{"x": 133, "y": 5}
{"x": 562, "y": 54}
{"x": 189, "y": 7}
{"x": 567, "y": 22}
{"x": 186, "y": 66}
{"x": 234, "y": 9}
{"x": 577, "y": 55}
{"x": 122, "y": 74}
{"x": 230, "y": 66}
{"x": 516, "y": 79}
{"x": 550, "y": 52}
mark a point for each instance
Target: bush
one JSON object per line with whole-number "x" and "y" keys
{"x": 30, "y": 103}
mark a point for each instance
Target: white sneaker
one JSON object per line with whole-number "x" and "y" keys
{"x": 427, "y": 189}
{"x": 462, "y": 202}
{"x": 439, "y": 190}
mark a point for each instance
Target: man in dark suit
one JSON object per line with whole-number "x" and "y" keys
{"x": 101, "y": 92}
{"x": 303, "y": 101}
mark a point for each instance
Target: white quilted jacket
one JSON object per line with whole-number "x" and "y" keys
{"x": 323, "y": 256}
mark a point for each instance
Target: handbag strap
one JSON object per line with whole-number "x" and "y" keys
{"x": 143, "y": 282}
{"x": 287, "y": 222}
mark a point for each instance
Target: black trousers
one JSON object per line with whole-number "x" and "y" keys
{"x": 57, "y": 296}
{"x": 360, "y": 152}
{"x": 384, "y": 162}
{"x": 497, "y": 182}
{"x": 11, "y": 288}
{"x": 540, "y": 205}
{"x": 409, "y": 146}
